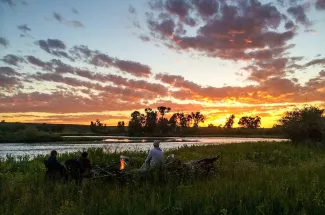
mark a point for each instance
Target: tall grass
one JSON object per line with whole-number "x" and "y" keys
{"x": 252, "y": 178}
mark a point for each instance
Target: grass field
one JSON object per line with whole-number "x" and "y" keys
{"x": 252, "y": 178}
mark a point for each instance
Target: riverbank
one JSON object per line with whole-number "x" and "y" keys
{"x": 252, "y": 178}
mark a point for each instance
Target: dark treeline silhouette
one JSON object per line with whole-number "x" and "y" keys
{"x": 98, "y": 127}
{"x": 155, "y": 121}
{"x": 56, "y": 128}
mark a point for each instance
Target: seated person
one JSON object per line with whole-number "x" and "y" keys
{"x": 85, "y": 165}
{"x": 53, "y": 163}
{"x": 155, "y": 157}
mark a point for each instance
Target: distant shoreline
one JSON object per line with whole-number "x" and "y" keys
{"x": 94, "y": 138}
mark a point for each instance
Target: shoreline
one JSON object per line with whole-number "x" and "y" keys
{"x": 82, "y": 138}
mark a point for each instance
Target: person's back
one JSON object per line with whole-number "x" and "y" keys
{"x": 85, "y": 165}
{"x": 53, "y": 162}
{"x": 155, "y": 157}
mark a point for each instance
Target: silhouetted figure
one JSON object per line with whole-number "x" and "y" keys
{"x": 85, "y": 165}
{"x": 53, "y": 167}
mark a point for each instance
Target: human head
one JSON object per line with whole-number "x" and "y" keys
{"x": 156, "y": 143}
{"x": 84, "y": 154}
{"x": 54, "y": 153}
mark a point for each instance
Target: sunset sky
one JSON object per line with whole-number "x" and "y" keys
{"x": 73, "y": 61}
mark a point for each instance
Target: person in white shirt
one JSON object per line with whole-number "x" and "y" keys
{"x": 155, "y": 157}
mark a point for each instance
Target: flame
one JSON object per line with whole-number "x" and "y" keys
{"x": 122, "y": 164}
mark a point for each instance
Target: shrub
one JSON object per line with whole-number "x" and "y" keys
{"x": 304, "y": 124}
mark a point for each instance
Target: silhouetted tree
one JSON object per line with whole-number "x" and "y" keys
{"x": 97, "y": 127}
{"x": 136, "y": 123}
{"x": 183, "y": 120}
{"x": 163, "y": 125}
{"x": 162, "y": 122}
{"x": 173, "y": 122}
{"x": 163, "y": 110}
{"x": 211, "y": 125}
{"x": 92, "y": 127}
{"x": 197, "y": 118}
{"x": 3, "y": 121}
{"x": 303, "y": 124}
{"x": 230, "y": 121}
{"x": 151, "y": 120}
{"x": 121, "y": 126}
{"x": 250, "y": 122}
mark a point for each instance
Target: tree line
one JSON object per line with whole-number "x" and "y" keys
{"x": 155, "y": 121}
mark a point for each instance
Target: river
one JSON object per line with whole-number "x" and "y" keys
{"x": 118, "y": 144}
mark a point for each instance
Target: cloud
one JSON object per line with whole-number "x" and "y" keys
{"x": 206, "y": 7}
{"x": 58, "y": 17}
{"x": 24, "y": 28}
{"x": 315, "y": 62}
{"x": 178, "y": 7}
{"x": 134, "y": 68}
{"x": 37, "y": 62}
{"x": 9, "y": 78}
{"x": 103, "y": 60}
{"x": 9, "y": 2}
{"x": 250, "y": 31}
{"x": 13, "y": 60}
{"x": 72, "y": 23}
{"x": 55, "y": 47}
{"x": 75, "y": 11}
{"x": 132, "y": 9}
{"x": 58, "y": 69}
{"x": 75, "y": 24}
{"x": 320, "y": 4}
{"x": 298, "y": 12}
{"x": 4, "y": 42}
{"x": 144, "y": 38}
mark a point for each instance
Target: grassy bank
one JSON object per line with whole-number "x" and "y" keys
{"x": 252, "y": 178}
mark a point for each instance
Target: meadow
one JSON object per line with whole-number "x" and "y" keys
{"x": 252, "y": 178}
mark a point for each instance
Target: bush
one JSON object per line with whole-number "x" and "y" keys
{"x": 306, "y": 124}
{"x": 31, "y": 133}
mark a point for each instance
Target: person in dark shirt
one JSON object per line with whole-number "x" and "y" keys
{"x": 85, "y": 165}
{"x": 54, "y": 164}
{"x": 52, "y": 161}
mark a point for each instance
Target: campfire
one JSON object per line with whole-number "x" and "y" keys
{"x": 123, "y": 162}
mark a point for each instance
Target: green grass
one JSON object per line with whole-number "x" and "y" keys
{"x": 252, "y": 178}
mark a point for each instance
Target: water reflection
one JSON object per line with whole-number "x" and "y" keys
{"x": 118, "y": 144}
